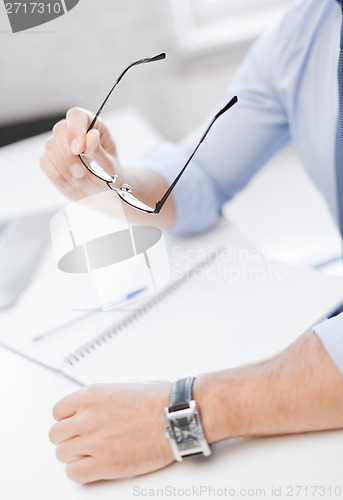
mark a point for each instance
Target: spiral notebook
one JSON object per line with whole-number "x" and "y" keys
{"x": 231, "y": 307}
{"x": 220, "y": 314}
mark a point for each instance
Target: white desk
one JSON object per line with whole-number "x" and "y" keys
{"x": 28, "y": 468}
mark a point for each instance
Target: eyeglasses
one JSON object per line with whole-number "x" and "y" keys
{"x": 125, "y": 191}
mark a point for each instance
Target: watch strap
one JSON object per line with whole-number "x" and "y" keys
{"x": 181, "y": 394}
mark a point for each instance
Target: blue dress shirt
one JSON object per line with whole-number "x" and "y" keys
{"x": 287, "y": 88}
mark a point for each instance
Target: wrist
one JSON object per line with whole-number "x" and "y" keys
{"x": 206, "y": 394}
{"x": 220, "y": 400}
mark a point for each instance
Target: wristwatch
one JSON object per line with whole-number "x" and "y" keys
{"x": 183, "y": 423}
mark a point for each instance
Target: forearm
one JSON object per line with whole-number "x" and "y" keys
{"x": 300, "y": 390}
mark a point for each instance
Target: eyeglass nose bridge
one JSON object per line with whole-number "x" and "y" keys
{"x": 125, "y": 195}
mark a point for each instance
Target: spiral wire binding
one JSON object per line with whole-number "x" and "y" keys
{"x": 103, "y": 337}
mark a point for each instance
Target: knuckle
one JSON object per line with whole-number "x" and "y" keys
{"x": 56, "y": 411}
{"x": 59, "y": 127}
{"x": 77, "y": 120}
{"x": 42, "y": 162}
{"x": 88, "y": 398}
{"x": 60, "y": 455}
{"x": 75, "y": 474}
{"x": 87, "y": 391}
{"x": 52, "y": 435}
{"x": 85, "y": 420}
{"x": 55, "y": 175}
{"x": 57, "y": 180}
{"x": 50, "y": 143}
{"x": 87, "y": 394}
{"x": 72, "y": 111}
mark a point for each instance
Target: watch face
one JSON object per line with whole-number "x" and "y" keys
{"x": 185, "y": 432}
{"x": 186, "y": 436}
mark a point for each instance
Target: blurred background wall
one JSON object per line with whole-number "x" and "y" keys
{"x": 74, "y": 60}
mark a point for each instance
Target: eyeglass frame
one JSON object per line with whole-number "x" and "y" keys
{"x": 125, "y": 191}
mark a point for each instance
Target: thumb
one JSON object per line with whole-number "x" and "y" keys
{"x": 98, "y": 153}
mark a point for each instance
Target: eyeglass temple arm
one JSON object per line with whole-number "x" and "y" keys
{"x": 160, "y": 203}
{"x": 158, "y": 57}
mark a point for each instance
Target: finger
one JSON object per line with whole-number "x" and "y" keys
{"x": 60, "y": 151}
{"x": 66, "y": 407}
{"x": 83, "y": 471}
{"x": 64, "y": 430}
{"x": 53, "y": 173}
{"x": 78, "y": 121}
{"x": 71, "y": 450}
{"x": 95, "y": 150}
{"x": 78, "y": 170}
{"x": 70, "y": 166}
{"x": 92, "y": 142}
{"x": 54, "y": 151}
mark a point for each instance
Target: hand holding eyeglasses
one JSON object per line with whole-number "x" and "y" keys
{"x": 70, "y": 138}
{"x": 98, "y": 157}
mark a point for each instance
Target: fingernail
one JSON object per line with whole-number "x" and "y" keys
{"x": 75, "y": 147}
{"x": 78, "y": 171}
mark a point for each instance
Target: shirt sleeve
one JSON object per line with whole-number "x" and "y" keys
{"x": 240, "y": 142}
{"x": 330, "y": 333}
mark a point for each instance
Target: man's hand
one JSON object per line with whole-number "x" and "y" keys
{"x": 69, "y": 138}
{"x": 116, "y": 431}
{"x": 112, "y": 431}
{"x": 62, "y": 165}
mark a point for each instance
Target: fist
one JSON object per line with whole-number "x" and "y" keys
{"x": 69, "y": 139}
{"x": 112, "y": 431}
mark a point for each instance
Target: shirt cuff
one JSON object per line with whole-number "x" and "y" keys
{"x": 330, "y": 333}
